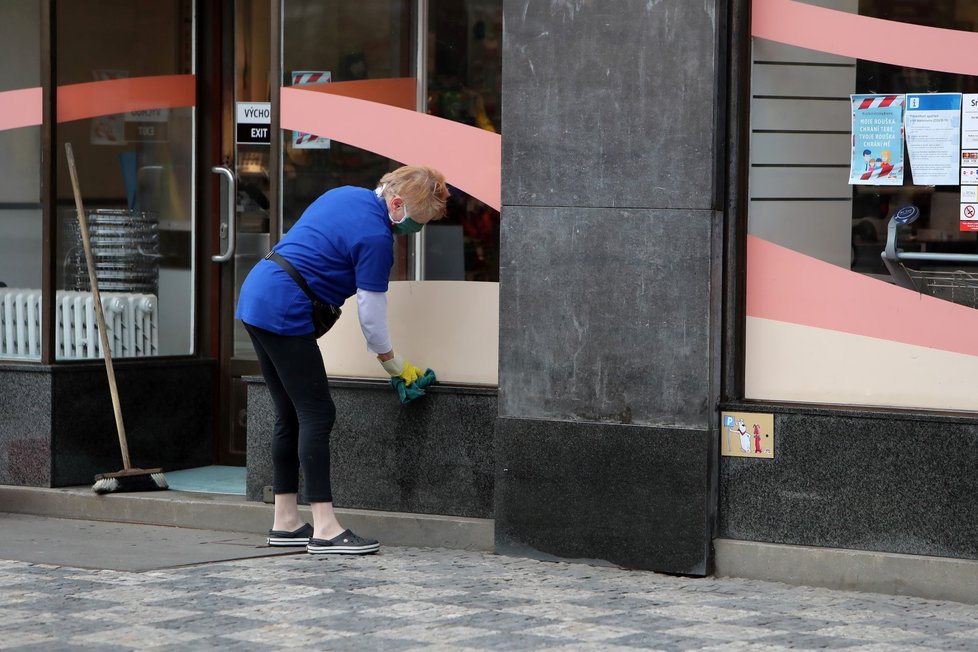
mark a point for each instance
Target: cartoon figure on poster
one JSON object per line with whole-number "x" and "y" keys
{"x": 877, "y": 140}
{"x": 741, "y": 431}
{"x": 302, "y": 78}
{"x": 747, "y": 434}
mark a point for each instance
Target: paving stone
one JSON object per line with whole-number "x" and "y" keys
{"x": 407, "y": 599}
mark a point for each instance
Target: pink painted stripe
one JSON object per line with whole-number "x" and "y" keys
{"x": 21, "y": 108}
{"x": 788, "y": 286}
{"x": 470, "y": 158}
{"x": 862, "y": 37}
{"x": 91, "y": 99}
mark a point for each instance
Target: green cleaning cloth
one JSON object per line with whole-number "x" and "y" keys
{"x": 408, "y": 393}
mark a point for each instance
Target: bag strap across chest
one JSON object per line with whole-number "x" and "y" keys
{"x": 287, "y": 266}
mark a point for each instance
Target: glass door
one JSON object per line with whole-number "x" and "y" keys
{"x": 243, "y": 183}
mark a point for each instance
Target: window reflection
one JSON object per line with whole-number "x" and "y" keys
{"x": 334, "y": 42}
{"x": 937, "y": 229}
{"x": 328, "y": 42}
{"x": 801, "y": 122}
{"x": 464, "y": 85}
{"x": 136, "y": 174}
{"x": 20, "y": 188}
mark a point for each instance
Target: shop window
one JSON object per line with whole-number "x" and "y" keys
{"x": 136, "y": 172}
{"x": 464, "y": 85}
{"x": 459, "y": 48}
{"x": 840, "y": 334}
{"x": 801, "y": 146}
{"x": 21, "y": 238}
{"x": 326, "y": 42}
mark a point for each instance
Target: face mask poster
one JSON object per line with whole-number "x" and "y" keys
{"x": 877, "y": 140}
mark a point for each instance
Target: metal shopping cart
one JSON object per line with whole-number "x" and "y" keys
{"x": 955, "y": 285}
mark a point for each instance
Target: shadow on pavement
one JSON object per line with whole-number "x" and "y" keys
{"x": 122, "y": 546}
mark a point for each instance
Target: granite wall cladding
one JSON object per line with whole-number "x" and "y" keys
{"x": 57, "y": 426}
{"x": 167, "y": 410}
{"x": 858, "y": 479}
{"x": 431, "y": 456}
{"x": 605, "y": 316}
{"x": 630, "y": 495}
{"x": 609, "y": 281}
{"x": 609, "y": 103}
{"x": 25, "y": 426}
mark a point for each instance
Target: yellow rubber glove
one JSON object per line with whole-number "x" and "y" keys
{"x": 398, "y": 367}
{"x": 411, "y": 373}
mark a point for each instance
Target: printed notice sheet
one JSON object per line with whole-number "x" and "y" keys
{"x": 933, "y": 126}
{"x": 969, "y": 122}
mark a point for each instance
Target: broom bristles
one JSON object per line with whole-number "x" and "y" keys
{"x": 131, "y": 480}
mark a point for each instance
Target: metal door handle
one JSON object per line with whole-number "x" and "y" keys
{"x": 229, "y": 210}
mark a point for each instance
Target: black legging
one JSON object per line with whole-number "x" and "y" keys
{"x": 296, "y": 378}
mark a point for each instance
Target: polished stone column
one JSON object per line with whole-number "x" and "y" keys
{"x": 609, "y": 282}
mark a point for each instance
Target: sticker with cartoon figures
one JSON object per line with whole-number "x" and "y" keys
{"x": 747, "y": 434}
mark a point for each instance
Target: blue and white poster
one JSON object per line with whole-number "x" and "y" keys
{"x": 933, "y": 125}
{"x": 877, "y": 140}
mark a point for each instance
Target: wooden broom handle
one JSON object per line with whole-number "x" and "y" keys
{"x": 102, "y": 330}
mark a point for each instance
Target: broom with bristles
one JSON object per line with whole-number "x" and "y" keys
{"x": 128, "y": 479}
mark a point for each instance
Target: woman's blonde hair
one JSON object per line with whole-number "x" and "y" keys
{"x": 421, "y": 187}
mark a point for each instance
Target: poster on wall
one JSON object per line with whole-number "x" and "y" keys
{"x": 969, "y": 208}
{"x": 747, "y": 434}
{"x": 877, "y": 140}
{"x": 969, "y": 122}
{"x": 969, "y": 163}
{"x": 302, "y": 78}
{"x": 933, "y": 127}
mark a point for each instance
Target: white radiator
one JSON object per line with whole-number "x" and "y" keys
{"x": 130, "y": 319}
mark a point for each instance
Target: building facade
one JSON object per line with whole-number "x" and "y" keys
{"x": 658, "y": 223}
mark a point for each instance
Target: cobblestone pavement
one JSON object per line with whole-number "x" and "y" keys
{"x": 430, "y": 599}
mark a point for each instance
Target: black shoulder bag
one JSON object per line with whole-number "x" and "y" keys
{"x": 324, "y": 315}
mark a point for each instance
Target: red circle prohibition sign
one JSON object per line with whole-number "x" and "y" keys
{"x": 969, "y": 211}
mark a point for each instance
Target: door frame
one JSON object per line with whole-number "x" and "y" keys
{"x": 216, "y": 124}
{"x": 218, "y": 148}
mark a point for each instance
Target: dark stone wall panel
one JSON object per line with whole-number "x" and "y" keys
{"x": 167, "y": 410}
{"x": 57, "y": 426}
{"x": 629, "y": 495}
{"x": 25, "y": 427}
{"x": 862, "y": 480}
{"x": 605, "y": 316}
{"x": 431, "y": 456}
{"x": 609, "y": 103}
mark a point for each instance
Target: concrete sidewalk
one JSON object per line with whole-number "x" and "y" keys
{"x": 411, "y": 599}
{"x": 222, "y": 512}
{"x": 934, "y": 578}
{"x": 118, "y": 546}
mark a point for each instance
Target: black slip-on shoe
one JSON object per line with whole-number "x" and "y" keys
{"x": 346, "y": 543}
{"x": 298, "y": 538}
